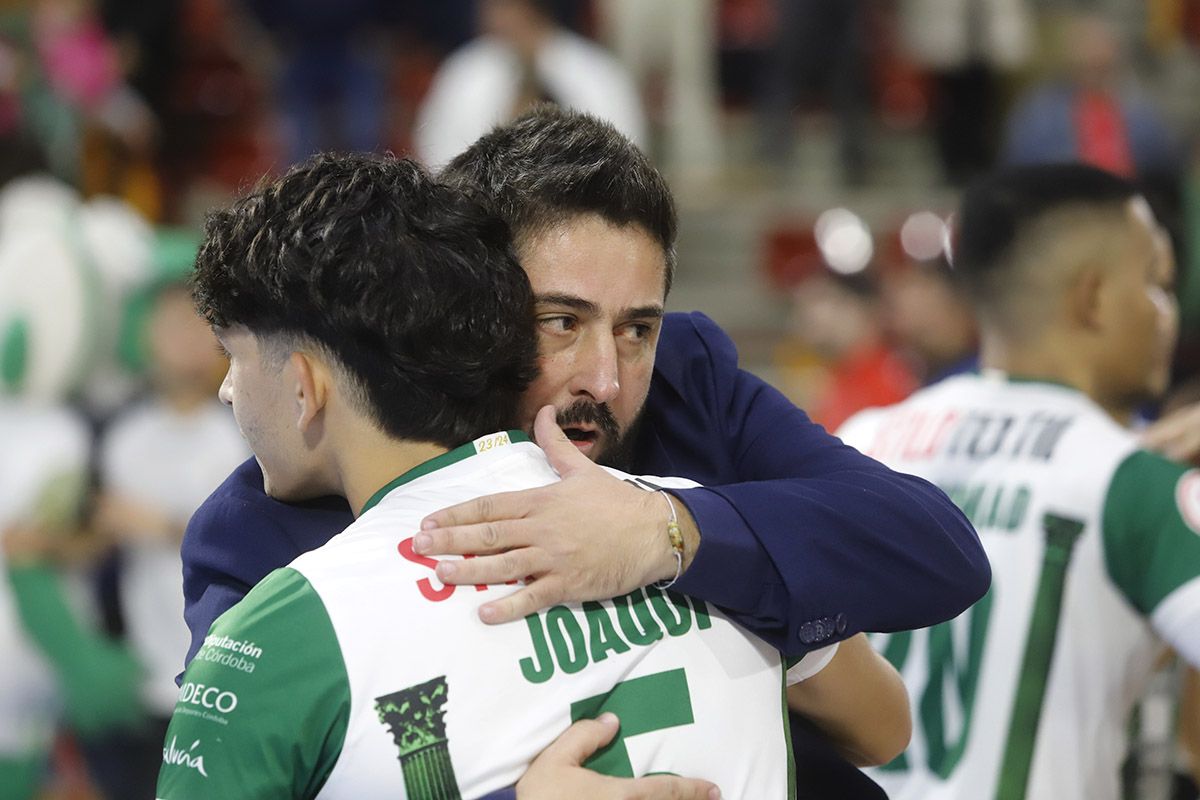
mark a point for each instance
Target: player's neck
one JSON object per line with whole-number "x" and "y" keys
{"x": 1045, "y": 359}
{"x": 370, "y": 460}
{"x": 1122, "y": 413}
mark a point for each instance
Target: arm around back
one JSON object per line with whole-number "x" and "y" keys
{"x": 804, "y": 540}
{"x": 859, "y": 702}
{"x": 238, "y": 536}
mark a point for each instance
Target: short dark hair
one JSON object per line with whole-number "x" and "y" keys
{"x": 410, "y": 285}
{"x": 1000, "y": 209}
{"x": 551, "y": 164}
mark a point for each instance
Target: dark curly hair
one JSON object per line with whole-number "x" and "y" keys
{"x": 551, "y": 164}
{"x": 409, "y": 284}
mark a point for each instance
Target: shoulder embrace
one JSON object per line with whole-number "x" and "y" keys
{"x": 689, "y": 337}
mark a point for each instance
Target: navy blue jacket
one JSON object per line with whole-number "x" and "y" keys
{"x": 804, "y": 541}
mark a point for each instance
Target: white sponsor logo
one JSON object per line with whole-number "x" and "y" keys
{"x": 175, "y": 757}
{"x": 248, "y": 649}
{"x": 199, "y": 694}
{"x": 225, "y": 659}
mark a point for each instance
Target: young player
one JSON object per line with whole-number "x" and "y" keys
{"x": 354, "y": 673}
{"x": 1094, "y": 542}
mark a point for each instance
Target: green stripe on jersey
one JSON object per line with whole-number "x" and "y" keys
{"x": 1149, "y": 549}
{"x": 787, "y": 735}
{"x": 264, "y": 704}
{"x": 433, "y": 465}
{"x": 1061, "y": 535}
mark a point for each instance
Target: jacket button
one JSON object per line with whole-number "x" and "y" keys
{"x": 817, "y": 630}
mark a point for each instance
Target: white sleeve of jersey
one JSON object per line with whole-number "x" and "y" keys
{"x": 1177, "y": 621}
{"x": 811, "y": 664}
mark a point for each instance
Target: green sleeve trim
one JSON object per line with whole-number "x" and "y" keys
{"x": 264, "y": 705}
{"x": 1149, "y": 548}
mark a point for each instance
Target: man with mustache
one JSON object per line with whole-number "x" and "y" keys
{"x": 800, "y": 539}
{"x": 350, "y": 659}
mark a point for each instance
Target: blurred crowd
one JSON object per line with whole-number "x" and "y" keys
{"x": 121, "y": 122}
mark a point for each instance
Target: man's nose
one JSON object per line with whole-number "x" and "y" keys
{"x": 225, "y": 393}
{"x": 598, "y": 370}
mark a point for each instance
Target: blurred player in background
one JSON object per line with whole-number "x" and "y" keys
{"x": 53, "y": 661}
{"x": 65, "y": 266}
{"x": 1093, "y": 541}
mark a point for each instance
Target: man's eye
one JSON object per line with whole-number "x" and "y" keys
{"x": 558, "y": 324}
{"x": 637, "y": 331}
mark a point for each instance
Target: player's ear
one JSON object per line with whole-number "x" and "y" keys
{"x": 1085, "y": 295}
{"x": 310, "y": 390}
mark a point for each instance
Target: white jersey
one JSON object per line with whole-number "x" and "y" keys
{"x": 355, "y": 674}
{"x": 169, "y": 461}
{"x": 43, "y": 466}
{"x": 1095, "y": 561}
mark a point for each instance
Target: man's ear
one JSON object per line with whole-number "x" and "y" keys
{"x": 1085, "y": 297}
{"x": 311, "y": 388}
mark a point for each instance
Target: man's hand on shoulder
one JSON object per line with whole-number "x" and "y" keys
{"x": 1177, "y": 435}
{"x": 588, "y": 537}
{"x": 559, "y": 771}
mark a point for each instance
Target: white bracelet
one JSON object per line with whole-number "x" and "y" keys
{"x": 676, "y": 539}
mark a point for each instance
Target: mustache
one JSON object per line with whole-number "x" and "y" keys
{"x": 587, "y": 412}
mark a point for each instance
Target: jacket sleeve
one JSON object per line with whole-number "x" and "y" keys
{"x": 238, "y": 536}
{"x": 811, "y": 541}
